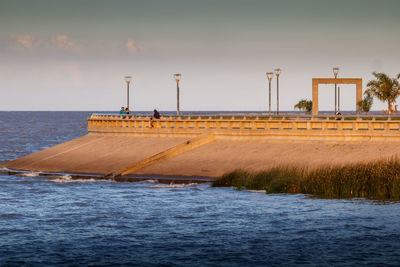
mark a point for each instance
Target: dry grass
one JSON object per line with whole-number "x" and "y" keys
{"x": 375, "y": 180}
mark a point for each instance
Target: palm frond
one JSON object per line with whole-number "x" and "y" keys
{"x": 384, "y": 88}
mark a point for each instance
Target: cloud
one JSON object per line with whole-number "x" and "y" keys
{"x": 130, "y": 44}
{"x": 59, "y": 46}
{"x": 27, "y": 40}
{"x": 63, "y": 42}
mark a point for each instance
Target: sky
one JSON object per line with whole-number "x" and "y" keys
{"x": 73, "y": 55}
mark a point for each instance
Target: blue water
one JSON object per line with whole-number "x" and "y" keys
{"x": 59, "y": 221}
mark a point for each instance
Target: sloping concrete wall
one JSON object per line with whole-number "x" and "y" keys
{"x": 102, "y": 154}
{"x": 225, "y": 155}
{"x": 94, "y": 154}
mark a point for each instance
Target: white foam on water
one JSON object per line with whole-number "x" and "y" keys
{"x": 150, "y": 181}
{"x": 91, "y": 180}
{"x": 61, "y": 179}
{"x": 256, "y": 191}
{"x": 169, "y": 186}
{"x": 68, "y": 179}
{"x": 4, "y": 169}
{"x": 28, "y": 174}
{"x": 192, "y": 184}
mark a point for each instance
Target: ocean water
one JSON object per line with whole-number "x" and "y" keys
{"x": 61, "y": 221}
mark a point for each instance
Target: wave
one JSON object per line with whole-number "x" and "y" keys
{"x": 60, "y": 179}
{"x": 256, "y": 191}
{"x": 10, "y": 215}
{"x": 28, "y": 174}
{"x": 151, "y": 181}
{"x": 168, "y": 186}
{"x": 3, "y": 169}
{"x": 69, "y": 179}
{"x": 173, "y": 185}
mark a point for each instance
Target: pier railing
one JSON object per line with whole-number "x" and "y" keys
{"x": 247, "y": 116}
{"x": 249, "y": 125}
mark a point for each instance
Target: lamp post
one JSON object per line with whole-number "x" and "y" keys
{"x": 277, "y": 73}
{"x": 128, "y": 81}
{"x": 177, "y": 77}
{"x": 335, "y": 73}
{"x": 269, "y": 77}
{"x": 338, "y": 106}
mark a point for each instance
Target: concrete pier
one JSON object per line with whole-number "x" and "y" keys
{"x": 211, "y": 146}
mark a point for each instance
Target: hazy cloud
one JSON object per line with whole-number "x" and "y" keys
{"x": 131, "y": 46}
{"x": 61, "y": 45}
{"x": 27, "y": 40}
{"x": 63, "y": 42}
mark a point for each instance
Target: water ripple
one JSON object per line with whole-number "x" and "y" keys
{"x": 63, "y": 221}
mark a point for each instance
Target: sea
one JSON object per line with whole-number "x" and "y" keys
{"x": 59, "y": 221}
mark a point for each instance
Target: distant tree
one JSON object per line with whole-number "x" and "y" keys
{"x": 384, "y": 88}
{"x": 305, "y": 105}
{"x": 366, "y": 104}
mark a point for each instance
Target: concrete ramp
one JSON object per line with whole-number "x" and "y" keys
{"x": 225, "y": 155}
{"x": 97, "y": 154}
{"x": 201, "y": 156}
{"x": 166, "y": 154}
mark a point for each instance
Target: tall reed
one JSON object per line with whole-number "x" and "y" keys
{"x": 376, "y": 180}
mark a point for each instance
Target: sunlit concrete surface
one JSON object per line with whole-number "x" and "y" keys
{"x": 211, "y": 147}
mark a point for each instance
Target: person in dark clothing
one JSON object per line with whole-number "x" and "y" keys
{"x": 156, "y": 114}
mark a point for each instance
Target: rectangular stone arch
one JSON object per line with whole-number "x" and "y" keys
{"x": 317, "y": 81}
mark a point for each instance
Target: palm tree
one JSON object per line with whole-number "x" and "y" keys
{"x": 366, "y": 104}
{"x": 304, "y": 104}
{"x": 384, "y": 88}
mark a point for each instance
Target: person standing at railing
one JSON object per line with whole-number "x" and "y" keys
{"x": 122, "y": 111}
{"x": 156, "y": 114}
{"x": 338, "y": 116}
{"x": 127, "y": 111}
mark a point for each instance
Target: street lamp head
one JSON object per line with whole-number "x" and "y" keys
{"x": 128, "y": 79}
{"x": 277, "y": 72}
{"x": 177, "y": 77}
{"x": 335, "y": 71}
{"x": 270, "y": 75}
